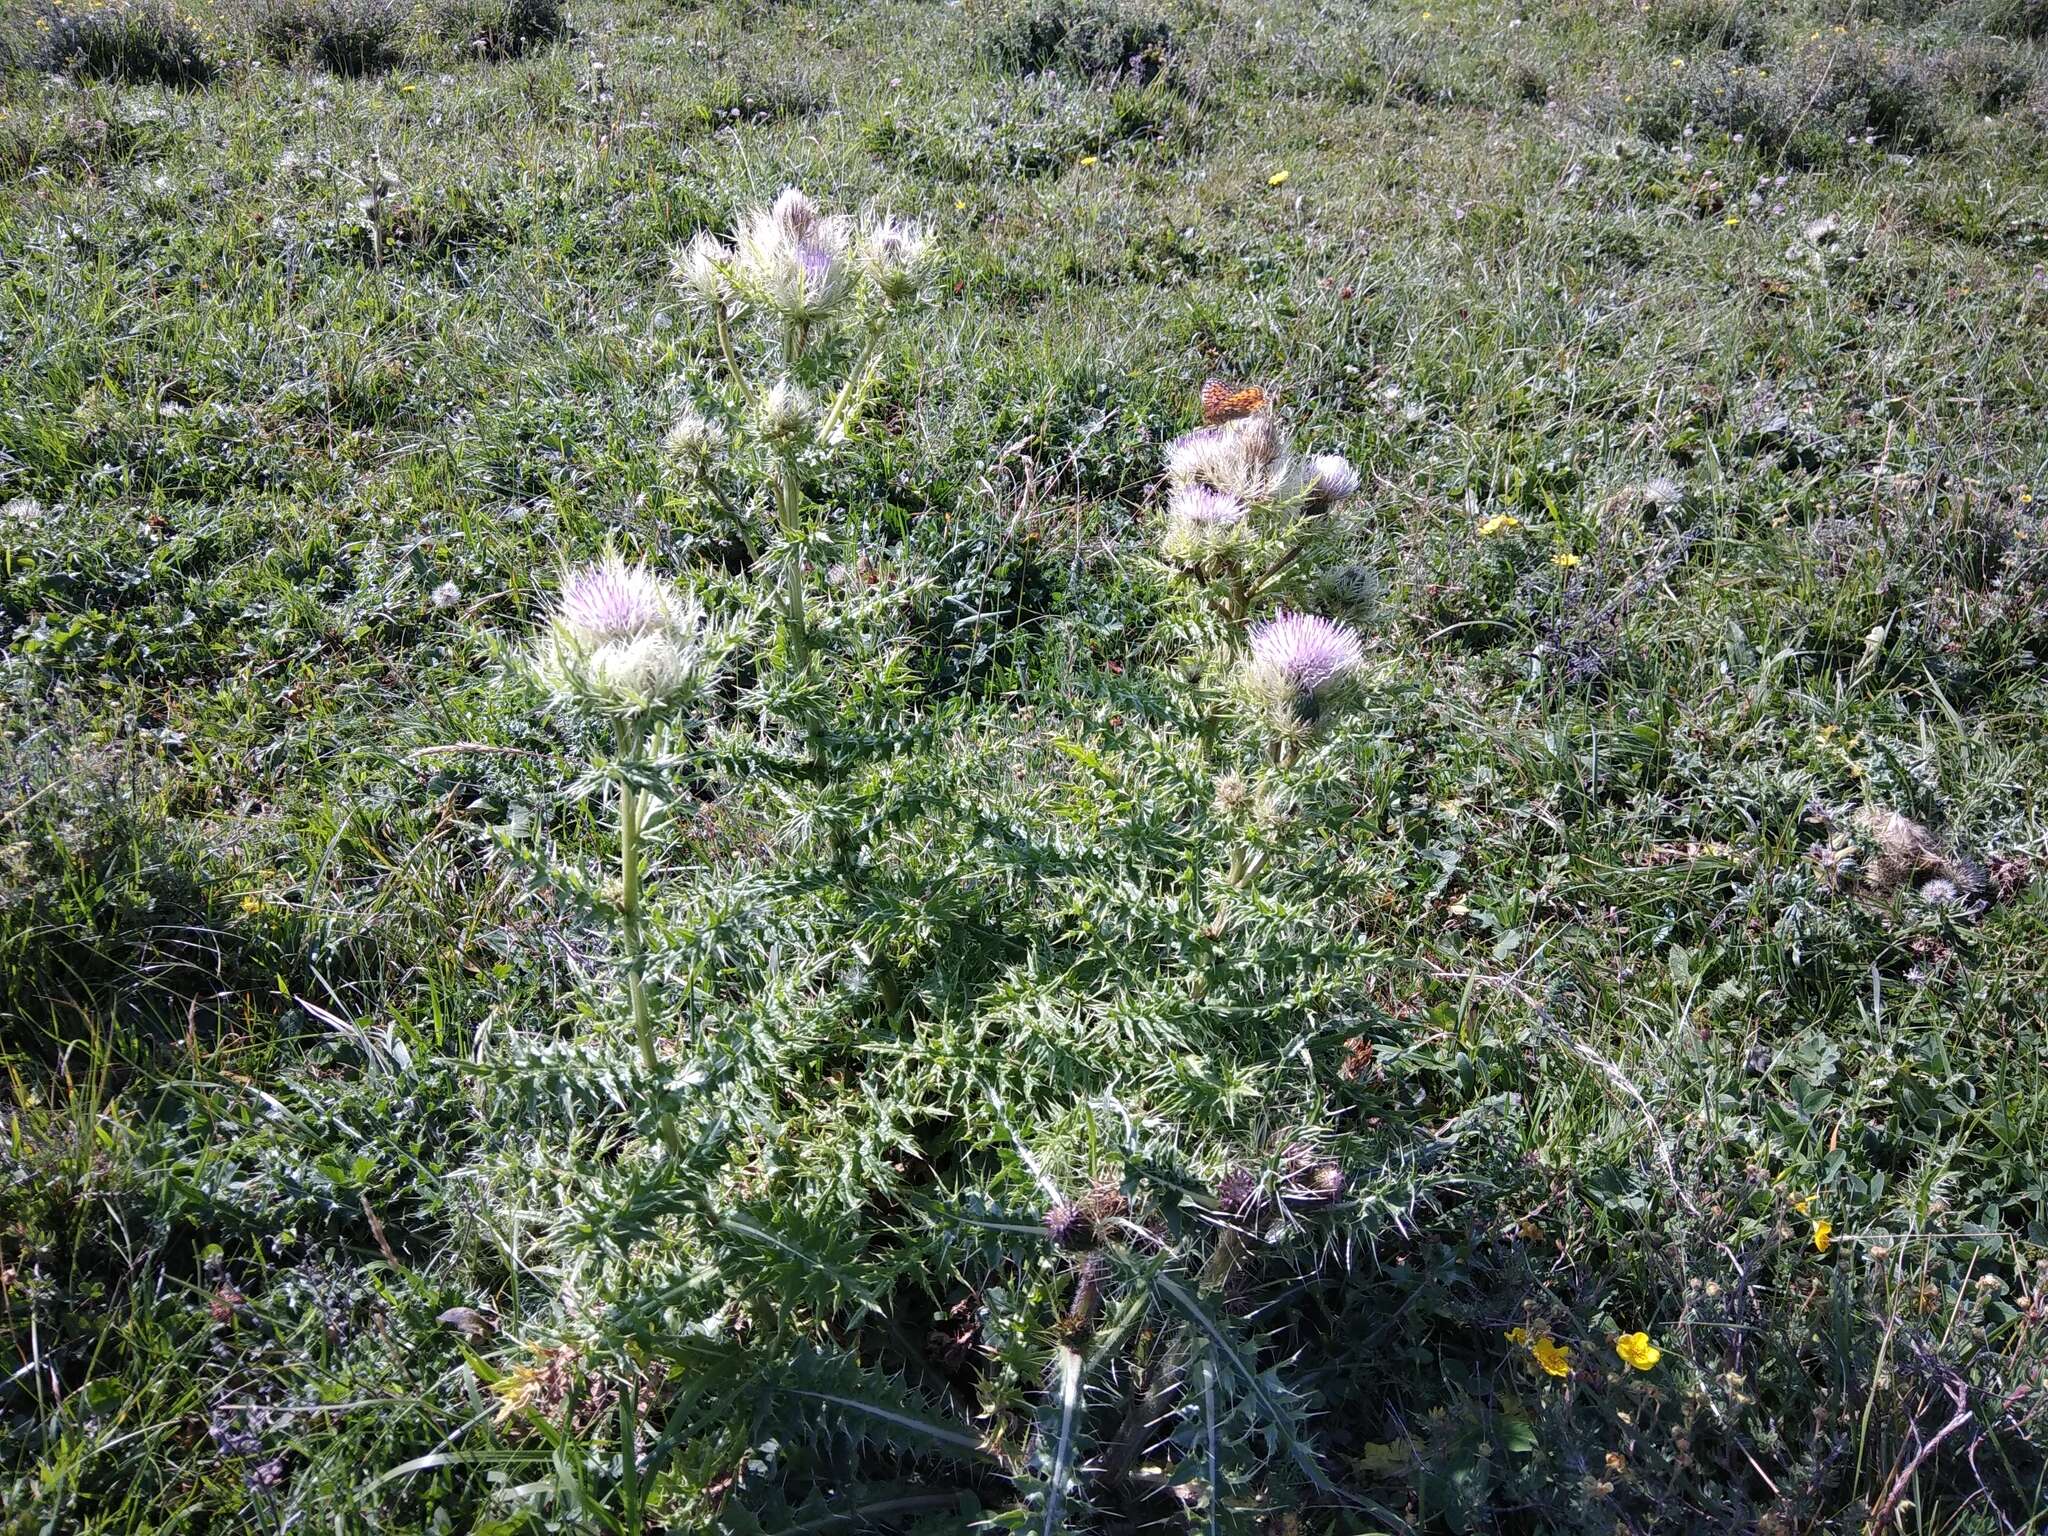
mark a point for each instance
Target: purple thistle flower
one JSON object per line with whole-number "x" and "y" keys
{"x": 1306, "y": 653}
{"x": 1331, "y": 478}
{"x": 1200, "y": 505}
{"x": 815, "y": 263}
{"x": 612, "y": 600}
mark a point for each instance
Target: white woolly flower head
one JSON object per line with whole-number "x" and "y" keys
{"x": 787, "y": 414}
{"x": 1202, "y": 524}
{"x": 1302, "y": 666}
{"x": 622, "y": 640}
{"x": 693, "y": 441}
{"x": 893, "y": 252}
{"x": 1330, "y": 478}
{"x": 701, "y": 267}
{"x": 1247, "y": 458}
{"x": 794, "y": 259}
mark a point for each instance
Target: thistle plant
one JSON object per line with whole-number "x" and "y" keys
{"x": 800, "y": 303}
{"x": 628, "y": 648}
{"x": 1242, "y": 506}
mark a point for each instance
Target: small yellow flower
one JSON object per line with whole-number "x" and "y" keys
{"x": 1732, "y": 220}
{"x": 1498, "y": 524}
{"x": 1564, "y": 560}
{"x": 1823, "y": 1235}
{"x": 1517, "y": 1335}
{"x": 1637, "y": 1351}
{"x": 1278, "y": 178}
{"x": 1552, "y": 1356}
{"x": 251, "y": 905}
{"x": 1677, "y": 63}
{"x": 1803, "y": 1204}
{"x": 515, "y": 1390}
{"x": 960, "y": 202}
{"x": 1088, "y": 159}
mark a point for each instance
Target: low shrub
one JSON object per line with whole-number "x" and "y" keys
{"x": 1808, "y": 107}
{"x": 502, "y": 29}
{"x": 1987, "y": 74}
{"x": 349, "y": 37}
{"x": 1706, "y": 24}
{"x": 145, "y": 42}
{"x": 1098, "y": 39}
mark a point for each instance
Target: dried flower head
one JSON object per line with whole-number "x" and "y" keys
{"x": 1330, "y": 479}
{"x": 1201, "y": 524}
{"x": 1302, "y": 665}
{"x": 622, "y": 641}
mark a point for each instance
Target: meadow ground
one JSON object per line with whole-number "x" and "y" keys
{"x": 1068, "y": 1104}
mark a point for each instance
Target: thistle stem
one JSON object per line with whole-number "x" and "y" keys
{"x": 847, "y": 401}
{"x": 793, "y": 561}
{"x": 732, "y": 363}
{"x": 630, "y": 811}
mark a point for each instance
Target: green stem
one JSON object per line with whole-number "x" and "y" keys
{"x": 793, "y": 561}
{"x": 629, "y": 899}
{"x": 846, "y": 401}
{"x": 732, "y": 363}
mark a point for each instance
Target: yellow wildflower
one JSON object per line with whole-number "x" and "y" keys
{"x": 1732, "y": 220}
{"x": 1088, "y": 159}
{"x": 1805, "y": 1203}
{"x": 1517, "y": 1335}
{"x": 1823, "y": 1235}
{"x": 516, "y": 1389}
{"x": 1498, "y": 524}
{"x": 1551, "y": 1356}
{"x": 1637, "y": 1351}
{"x": 251, "y": 905}
{"x": 1564, "y": 560}
{"x": 1278, "y": 178}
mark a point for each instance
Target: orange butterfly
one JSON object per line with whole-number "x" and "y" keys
{"x": 1227, "y": 402}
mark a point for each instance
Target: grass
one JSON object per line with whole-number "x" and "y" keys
{"x": 332, "y": 1187}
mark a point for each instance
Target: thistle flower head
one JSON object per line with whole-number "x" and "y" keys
{"x": 701, "y": 266}
{"x": 1246, "y": 458}
{"x": 692, "y": 441}
{"x": 893, "y": 253}
{"x": 787, "y": 413}
{"x": 794, "y": 259}
{"x": 1200, "y": 524}
{"x": 794, "y": 214}
{"x": 1302, "y": 665}
{"x": 1330, "y": 479}
{"x": 1351, "y": 588}
{"x": 1070, "y": 1226}
{"x": 621, "y": 640}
